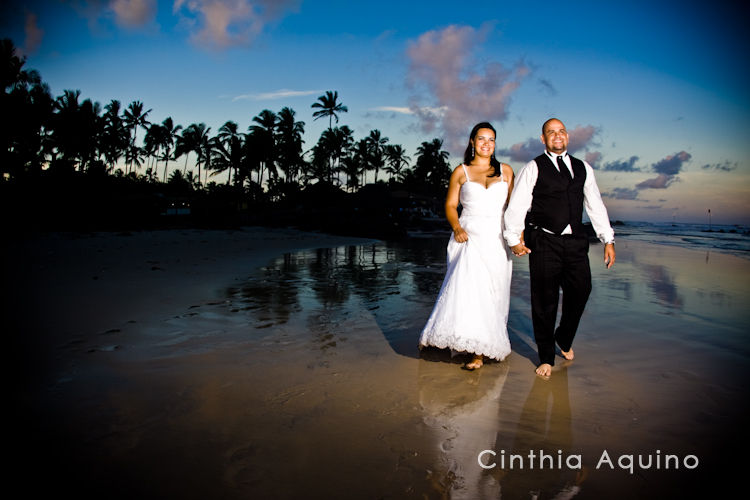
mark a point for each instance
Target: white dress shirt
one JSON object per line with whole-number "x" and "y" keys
{"x": 520, "y": 202}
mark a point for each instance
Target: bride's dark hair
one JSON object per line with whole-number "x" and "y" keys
{"x": 469, "y": 153}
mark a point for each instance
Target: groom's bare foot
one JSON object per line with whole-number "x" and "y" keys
{"x": 544, "y": 370}
{"x": 569, "y": 355}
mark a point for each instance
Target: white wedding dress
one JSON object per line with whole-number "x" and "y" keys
{"x": 471, "y": 311}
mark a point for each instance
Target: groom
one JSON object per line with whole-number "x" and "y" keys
{"x": 544, "y": 220}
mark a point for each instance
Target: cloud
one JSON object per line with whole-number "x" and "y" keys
{"x": 622, "y": 194}
{"x": 443, "y": 70}
{"x": 662, "y": 181}
{"x": 622, "y": 165}
{"x": 593, "y": 158}
{"x": 221, "y": 24}
{"x": 276, "y": 94}
{"x": 580, "y": 138}
{"x": 668, "y": 168}
{"x": 394, "y": 109}
{"x": 133, "y": 13}
{"x": 672, "y": 164}
{"x": 547, "y": 87}
{"x": 522, "y": 151}
{"x": 33, "y": 34}
{"x": 727, "y": 166}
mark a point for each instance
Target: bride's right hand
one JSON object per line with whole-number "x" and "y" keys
{"x": 460, "y": 235}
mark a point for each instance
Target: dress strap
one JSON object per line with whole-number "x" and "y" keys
{"x": 466, "y": 172}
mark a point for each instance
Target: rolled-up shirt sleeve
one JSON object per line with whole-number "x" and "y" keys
{"x": 519, "y": 204}
{"x": 597, "y": 212}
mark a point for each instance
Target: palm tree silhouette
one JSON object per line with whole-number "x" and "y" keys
{"x": 27, "y": 107}
{"x": 376, "y": 145}
{"x": 135, "y": 117}
{"x": 115, "y": 138}
{"x": 289, "y": 143}
{"x": 329, "y": 107}
{"x": 229, "y": 150}
{"x": 263, "y": 140}
{"x": 194, "y": 139}
{"x": 361, "y": 159}
{"x": 432, "y": 165}
{"x": 397, "y": 159}
{"x": 334, "y": 144}
{"x": 168, "y": 138}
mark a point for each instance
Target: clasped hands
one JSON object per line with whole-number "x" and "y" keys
{"x": 520, "y": 250}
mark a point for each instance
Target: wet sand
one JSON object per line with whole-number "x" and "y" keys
{"x": 278, "y": 364}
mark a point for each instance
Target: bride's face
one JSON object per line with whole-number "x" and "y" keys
{"x": 484, "y": 143}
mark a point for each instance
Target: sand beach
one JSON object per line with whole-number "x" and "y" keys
{"x": 275, "y": 363}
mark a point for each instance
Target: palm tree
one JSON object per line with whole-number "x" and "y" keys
{"x": 135, "y": 117}
{"x": 432, "y": 165}
{"x": 27, "y": 107}
{"x": 376, "y": 145}
{"x": 263, "y": 142}
{"x": 133, "y": 156}
{"x": 329, "y": 107}
{"x": 361, "y": 160}
{"x": 289, "y": 143}
{"x": 64, "y": 135}
{"x": 186, "y": 142}
{"x": 350, "y": 166}
{"x": 152, "y": 141}
{"x": 115, "y": 138}
{"x": 76, "y": 129}
{"x": 397, "y": 159}
{"x": 194, "y": 139}
{"x": 228, "y": 150}
{"x": 202, "y": 150}
{"x": 168, "y": 138}
{"x": 334, "y": 144}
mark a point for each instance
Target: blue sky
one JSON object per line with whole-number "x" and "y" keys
{"x": 653, "y": 93}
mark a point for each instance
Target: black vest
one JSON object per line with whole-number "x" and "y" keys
{"x": 556, "y": 201}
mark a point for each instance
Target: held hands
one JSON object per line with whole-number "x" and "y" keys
{"x": 520, "y": 250}
{"x": 460, "y": 235}
{"x": 609, "y": 255}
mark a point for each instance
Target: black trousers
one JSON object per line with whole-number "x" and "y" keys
{"x": 557, "y": 263}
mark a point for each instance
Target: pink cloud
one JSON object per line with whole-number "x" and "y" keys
{"x": 593, "y": 158}
{"x": 580, "y": 137}
{"x": 33, "y": 34}
{"x": 444, "y": 71}
{"x": 133, "y": 13}
{"x": 221, "y": 24}
{"x": 661, "y": 181}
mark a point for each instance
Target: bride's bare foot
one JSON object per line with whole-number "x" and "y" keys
{"x": 544, "y": 370}
{"x": 475, "y": 363}
{"x": 568, "y": 355}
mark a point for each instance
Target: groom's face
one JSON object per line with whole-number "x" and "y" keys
{"x": 555, "y": 137}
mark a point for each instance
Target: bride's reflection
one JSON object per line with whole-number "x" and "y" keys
{"x": 548, "y": 468}
{"x": 461, "y": 409}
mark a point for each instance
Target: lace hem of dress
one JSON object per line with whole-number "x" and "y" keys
{"x": 462, "y": 345}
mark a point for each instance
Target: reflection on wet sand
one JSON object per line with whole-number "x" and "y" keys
{"x": 461, "y": 411}
{"x": 303, "y": 379}
{"x": 536, "y": 455}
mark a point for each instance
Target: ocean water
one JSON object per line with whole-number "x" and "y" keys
{"x": 734, "y": 239}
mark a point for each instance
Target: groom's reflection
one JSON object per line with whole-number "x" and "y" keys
{"x": 543, "y": 441}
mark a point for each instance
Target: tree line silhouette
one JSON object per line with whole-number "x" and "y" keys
{"x": 71, "y": 163}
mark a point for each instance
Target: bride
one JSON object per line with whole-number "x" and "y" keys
{"x": 471, "y": 312}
